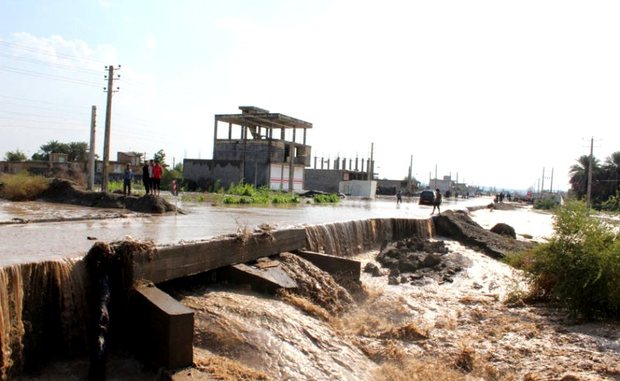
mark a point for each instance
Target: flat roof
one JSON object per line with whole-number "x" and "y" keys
{"x": 257, "y": 117}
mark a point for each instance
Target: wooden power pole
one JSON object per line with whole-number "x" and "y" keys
{"x": 590, "y": 171}
{"x": 108, "y": 120}
{"x": 91, "y": 153}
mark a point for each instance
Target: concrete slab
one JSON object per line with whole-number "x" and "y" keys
{"x": 337, "y": 266}
{"x": 179, "y": 261}
{"x": 163, "y": 328}
{"x": 268, "y": 279}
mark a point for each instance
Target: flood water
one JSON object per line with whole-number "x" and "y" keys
{"x": 33, "y": 242}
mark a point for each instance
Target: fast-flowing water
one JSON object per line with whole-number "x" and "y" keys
{"x": 43, "y": 311}
{"x": 52, "y": 240}
{"x": 43, "y": 305}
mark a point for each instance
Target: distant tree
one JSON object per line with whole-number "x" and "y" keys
{"x": 579, "y": 175}
{"x": 50, "y": 147}
{"x": 160, "y": 156}
{"x": 175, "y": 173}
{"x": 611, "y": 167}
{"x": 78, "y": 151}
{"x": 38, "y": 156}
{"x": 16, "y": 155}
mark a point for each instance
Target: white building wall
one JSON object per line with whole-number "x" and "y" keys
{"x": 279, "y": 177}
{"x": 360, "y": 188}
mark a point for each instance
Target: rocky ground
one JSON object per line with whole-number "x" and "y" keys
{"x": 475, "y": 326}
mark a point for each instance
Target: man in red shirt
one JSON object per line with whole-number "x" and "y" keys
{"x": 157, "y": 172}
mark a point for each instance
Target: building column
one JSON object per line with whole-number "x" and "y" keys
{"x": 214, "y": 138}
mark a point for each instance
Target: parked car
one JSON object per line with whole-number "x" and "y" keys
{"x": 426, "y": 197}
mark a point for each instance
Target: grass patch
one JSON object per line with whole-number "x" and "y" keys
{"x": 247, "y": 194}
{"x": 22, "y": 186}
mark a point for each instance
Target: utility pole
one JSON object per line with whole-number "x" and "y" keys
{"x": 551, "y": 186}
{"x": 590, "y": 171}
{"x": 542, "y": 185}
{"x": 108, "y": 120}
{"x": 409, "y": 187}
{"x": 91, "y": 153}
{"x": 370, "y": 167}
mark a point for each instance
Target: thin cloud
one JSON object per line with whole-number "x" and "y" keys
{"x": 58, "y": 50}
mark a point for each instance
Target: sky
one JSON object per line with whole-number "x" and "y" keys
{"x": 494, "y": 92}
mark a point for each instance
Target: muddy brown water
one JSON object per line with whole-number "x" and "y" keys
{"x": 33, "y": 242}
{"x": 283, "y": 341}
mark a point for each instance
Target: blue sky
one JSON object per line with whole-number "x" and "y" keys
{"x": 491, "y": 90}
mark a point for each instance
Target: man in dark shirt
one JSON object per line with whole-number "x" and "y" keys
{"x": 146, "y": 178}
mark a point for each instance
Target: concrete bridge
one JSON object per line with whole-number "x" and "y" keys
{"x": 118, "y": 281}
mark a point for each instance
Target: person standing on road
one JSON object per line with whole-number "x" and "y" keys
{"x": 437, "y": 202}
{"x": 399, "y": 197}
{"x": 127, "y": 178}
{"x": 146, "y": 178}
{"x": 157, "y": 172}
{"x": 151, "y": 181}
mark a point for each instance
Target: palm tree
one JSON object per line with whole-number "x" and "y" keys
{"x": 612, "y": 172}
{"x": 579, "y": 175}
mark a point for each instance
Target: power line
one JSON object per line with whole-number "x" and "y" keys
{"x": 36, "y": 74}
{"x": 55, "y": 104}
{"x": 47, "y": 128}
{"x": 56, "y": 65}
{"x": 38, "y": 50}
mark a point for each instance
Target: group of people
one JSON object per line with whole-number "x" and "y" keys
{"x": 151, "y": 177}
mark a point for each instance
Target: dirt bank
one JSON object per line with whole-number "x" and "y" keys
{"x": 458, "y": 225}
{"x": 63, "y": 191}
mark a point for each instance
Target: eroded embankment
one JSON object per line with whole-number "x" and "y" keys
{"x": 63, "y": 191}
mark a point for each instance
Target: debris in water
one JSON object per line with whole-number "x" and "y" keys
{"x": 414, "y": 259}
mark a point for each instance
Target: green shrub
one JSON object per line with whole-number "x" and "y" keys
{"x": 231, "y": 200}
{"x": 546, "y": 204}
{"x": 612, "y": 204}
{"x": 326, "y": 198}
{"x": 115, "y": 185}
{"x": 216, "y": 187}
{"x": 241, "y": 189}
{"x": 579, "y": 266}
{"x": 22, "y": 186}
{"x": 247, "y": 194}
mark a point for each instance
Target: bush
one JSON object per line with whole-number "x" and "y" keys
{"x": 612, "y": 204}
{"x": 546, "y": 204}
{"x": 242, "y": 189}
{"x": 326, "y": 198}
{"x": 22, "y": 187}
{"x": 579, "y": 266}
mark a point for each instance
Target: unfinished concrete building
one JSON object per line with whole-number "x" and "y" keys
{"x": 257, "y": 147}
